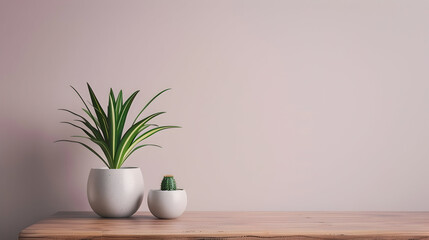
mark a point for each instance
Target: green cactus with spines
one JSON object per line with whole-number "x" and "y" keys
{"x": 168, "y": 183}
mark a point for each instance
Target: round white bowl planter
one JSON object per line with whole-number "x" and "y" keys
{"x": 115, "y": 192}
{"x": 167, "y": 204}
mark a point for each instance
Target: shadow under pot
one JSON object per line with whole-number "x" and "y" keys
{"x": 115, "y": 193}
{"x": 167, "y": 204}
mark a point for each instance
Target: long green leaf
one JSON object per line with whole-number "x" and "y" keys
{"x": 86, "y": 146}
{"x": 118, "y": 103}
{"x": 86, "y": 122}
{"x": 97, "y": 134}
{"x": 66, "y": 110}
{"x": 111, "y": 116}
{"x": 111, "y": 94}
{"x": 148, "y": 134}
{"x": 101, "y": 115}
{"x": 143, "y": 137}
{"x": 124, "y": 112}
{"x": 138, "y": 147}
{"x": 140, "y": 129}
{"x": 81, "y": 128}
{"x": 150, "y": 103}
{"x": 103, "y": 147}
{"x": 129, "y": 136}
{"x": 87, "y": 108}
{"x": 97, "y": 124}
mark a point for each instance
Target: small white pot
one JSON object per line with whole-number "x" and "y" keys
{"x": 167, "y": 204}
{"x": 115, "y": 192}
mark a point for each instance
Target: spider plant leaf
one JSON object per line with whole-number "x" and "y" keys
{"x": 150, "y": 103}
{"x": 97, "y": 134}
{"x": 120, "y": 157}
{"x": 148, "y": 134}
{"x": 119, "y": 102}
{"x": 130, "y": 135}
{"x": 87, "y": 108}
{"x": 138, "y": 147}
{"x": 80, "y": 97}
{"x": 81, "y": 128}
{"x": 88, "y": 147}
{"x": 85, "y": 122}
{"x": 97, "y": 124}
{"x": 101, "y": 115}
{"x": 102, "y": 145}
{"x": 141, "y": 129}
{"x": 124, "y": 112}
{"x": 143, "y": 137}
{"x": 111, "y": 116}
{"x": 111, "y": 94}
{"x": 66, "y": 110}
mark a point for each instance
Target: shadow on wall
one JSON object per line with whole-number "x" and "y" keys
{"x": 29, "y": 172}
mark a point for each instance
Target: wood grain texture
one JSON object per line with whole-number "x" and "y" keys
{"x": 235, "y": 225}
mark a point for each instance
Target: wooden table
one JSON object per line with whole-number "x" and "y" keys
{"x": 234, "y": 225}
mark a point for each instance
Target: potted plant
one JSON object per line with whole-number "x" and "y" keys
{"x": 169, "y": 202}
{"x": 114, "y": 191}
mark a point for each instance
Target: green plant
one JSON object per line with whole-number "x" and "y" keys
{"x": 106, "y": 130}
{"x": 168, "y": 183}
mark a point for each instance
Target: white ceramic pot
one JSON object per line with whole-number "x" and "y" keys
{"x": 167, "y": 204}
{"x": 115, "y": 192}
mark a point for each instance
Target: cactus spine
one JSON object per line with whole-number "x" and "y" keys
{"x": 168, "y": 183}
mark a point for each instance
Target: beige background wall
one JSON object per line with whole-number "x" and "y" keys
{"x": 285, "y": 105}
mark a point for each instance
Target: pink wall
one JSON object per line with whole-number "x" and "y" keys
{"x": 285, "y": 105}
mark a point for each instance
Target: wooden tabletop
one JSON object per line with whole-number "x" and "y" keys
{"x": 232, "y": 225}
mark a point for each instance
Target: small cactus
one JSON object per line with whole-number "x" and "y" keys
{"x": 168, "y": 183}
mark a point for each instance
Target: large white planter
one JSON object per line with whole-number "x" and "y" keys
{"x": 115, "y": 192}
{"x": 167, "y": 204}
